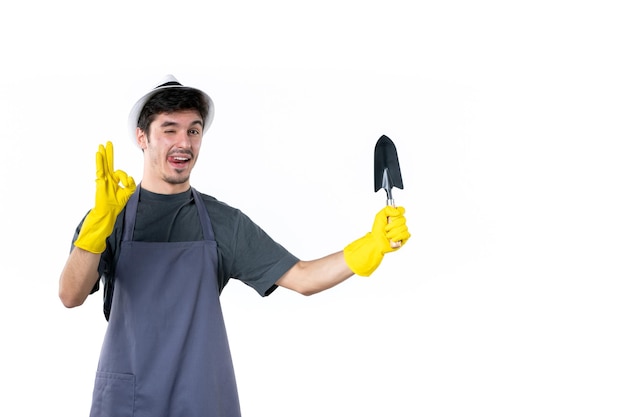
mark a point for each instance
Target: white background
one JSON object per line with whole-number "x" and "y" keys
{"x": 509, "y": 120}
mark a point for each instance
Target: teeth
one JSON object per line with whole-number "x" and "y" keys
{"x": 179, "y": 158}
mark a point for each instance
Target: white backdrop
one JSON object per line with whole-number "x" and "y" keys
{"x": 509, "y": 122}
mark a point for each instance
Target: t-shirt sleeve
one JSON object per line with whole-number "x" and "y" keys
{"x": 257, "y": 260}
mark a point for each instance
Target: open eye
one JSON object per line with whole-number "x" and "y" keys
{"x": 194, "y": 132}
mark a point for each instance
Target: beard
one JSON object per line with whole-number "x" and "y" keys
{"x": 180, "y": 178}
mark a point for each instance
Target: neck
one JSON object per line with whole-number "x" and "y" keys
{"x": 162, "y": 187}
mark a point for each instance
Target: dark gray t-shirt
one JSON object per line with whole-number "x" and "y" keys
{"x": 245, "y": 251}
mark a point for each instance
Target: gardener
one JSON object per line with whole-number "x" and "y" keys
{"x": 164, "y": 252}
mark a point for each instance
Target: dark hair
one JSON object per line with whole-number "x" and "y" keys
{"x": 170, "y": 100}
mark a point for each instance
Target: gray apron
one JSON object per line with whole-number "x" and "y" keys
{"x": 165, "y": 352}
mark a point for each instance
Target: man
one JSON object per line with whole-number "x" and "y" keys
{"x": 165, "y": 251}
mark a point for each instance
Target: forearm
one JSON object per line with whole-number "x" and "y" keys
{"x": 78, "y": 277}
{"x": 311, "y": 277}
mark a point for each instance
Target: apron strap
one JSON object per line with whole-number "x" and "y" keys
{"x": 130, "y": 214}
{"x": 205, "y": 220}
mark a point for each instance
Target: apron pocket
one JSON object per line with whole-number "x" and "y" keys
{"x": 113, "y": 395}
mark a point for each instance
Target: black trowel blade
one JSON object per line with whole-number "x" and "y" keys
{"x": 386, "y": 160}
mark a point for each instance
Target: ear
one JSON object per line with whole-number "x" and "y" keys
{"x": 142, "y": 139}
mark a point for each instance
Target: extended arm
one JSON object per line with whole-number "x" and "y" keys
{"x": 311, "y": 277}
{"x": 360, "y": 257}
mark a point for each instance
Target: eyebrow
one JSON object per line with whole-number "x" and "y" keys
{"x": 168, "y": 123}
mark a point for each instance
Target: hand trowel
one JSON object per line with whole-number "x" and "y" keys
{"x": 387, "y": 171}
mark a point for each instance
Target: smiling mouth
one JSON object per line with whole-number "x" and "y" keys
{"x": 179, "y": 160}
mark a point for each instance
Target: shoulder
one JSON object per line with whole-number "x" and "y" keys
{"x": 219, "y": 208}
{"x": 227, "y": 221}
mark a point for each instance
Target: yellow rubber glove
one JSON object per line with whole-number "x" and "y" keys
{"x": 365, "y": 254}
{"x": 113, "y": 189}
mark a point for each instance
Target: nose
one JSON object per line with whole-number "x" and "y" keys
{"x": 184, "y": 140}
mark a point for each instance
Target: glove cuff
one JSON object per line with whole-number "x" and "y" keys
{"x": 96, "y": 228}
{"x": 362, "y": 257}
